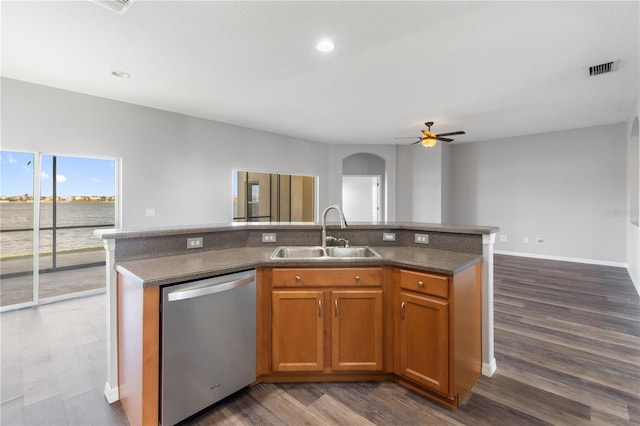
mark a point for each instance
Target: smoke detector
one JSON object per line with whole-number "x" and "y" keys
{"x": 118, "y": 6}
{"x": 603, "y": 68}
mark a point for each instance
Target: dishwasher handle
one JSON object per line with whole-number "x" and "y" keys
{"x": 212, "y": 289}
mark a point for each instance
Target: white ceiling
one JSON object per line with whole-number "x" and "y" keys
{"x": 493, "y": 69}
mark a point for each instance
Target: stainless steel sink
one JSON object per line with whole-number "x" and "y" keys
{"x": 298, "y": 252}
{"x": 317, "y": 252}
{"x": 351, "y": 252}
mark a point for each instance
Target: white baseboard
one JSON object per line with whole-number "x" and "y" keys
{"x": 111, "y": 393}
{"x": 489, "y": 369}
{"x": 563, "y": 258}
{"x": 634, "y": 280}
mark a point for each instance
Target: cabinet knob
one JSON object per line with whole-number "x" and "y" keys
{"x": 298, "y": 278}
{"x": 420, "y": 284}
{"x": 357, "y": 277}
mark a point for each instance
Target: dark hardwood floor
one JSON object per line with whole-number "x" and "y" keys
{"x": 567, "y": 341}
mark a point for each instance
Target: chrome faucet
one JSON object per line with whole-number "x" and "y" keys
{"x": 343, "y": 222}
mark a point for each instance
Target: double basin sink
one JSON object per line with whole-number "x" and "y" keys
{"x": 317, "y": 252}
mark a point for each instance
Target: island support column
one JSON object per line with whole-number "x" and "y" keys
{"x": 111, "y": 386}
{"x": 488, "y": 358}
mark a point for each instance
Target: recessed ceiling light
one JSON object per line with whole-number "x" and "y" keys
{"x": 325, "y": 46}
{"x": 119, "y": 6}
{"x": 121, "y": 74}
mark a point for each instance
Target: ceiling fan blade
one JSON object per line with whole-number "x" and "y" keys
{"x": 452, "y": 133}
{"x": 444, "y": 139}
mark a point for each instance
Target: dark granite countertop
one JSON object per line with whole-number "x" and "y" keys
{"x": 193, "y": 266}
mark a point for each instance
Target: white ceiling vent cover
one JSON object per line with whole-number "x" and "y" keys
{"x": 118, "y": 6}
{"x": 603, "y": 68}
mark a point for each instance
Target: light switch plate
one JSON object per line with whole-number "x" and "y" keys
{"x": 388, "y": 236}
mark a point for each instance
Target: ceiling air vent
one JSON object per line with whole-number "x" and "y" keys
{"x": 602, "y": 68}
{"x": 119, "y": 6}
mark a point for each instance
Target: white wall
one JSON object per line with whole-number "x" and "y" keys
{"x": 447, "y": 177}
{"x": 423, "y": 183}
{"x": 181, "y": 166}
{"x": 568, "y": 187}
{"x": 632, "y": 231}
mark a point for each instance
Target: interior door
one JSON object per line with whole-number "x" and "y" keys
{"x": 361, "y": 198}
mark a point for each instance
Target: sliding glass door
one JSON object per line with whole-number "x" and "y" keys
{"x": 76, "y": 196}
{"x": 16, "y": 228}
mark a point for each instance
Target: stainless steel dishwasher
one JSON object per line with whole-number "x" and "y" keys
{"x": 208, "y": 343}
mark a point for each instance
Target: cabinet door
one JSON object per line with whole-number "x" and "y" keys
{"x": 297, "y": 331}
{"x": 356, "y": 330}
{"x": 424, "y": 341}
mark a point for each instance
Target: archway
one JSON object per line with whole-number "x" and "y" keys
{"x": 363, "y": 187}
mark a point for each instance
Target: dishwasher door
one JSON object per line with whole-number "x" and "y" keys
{"x": 208, "y": 348}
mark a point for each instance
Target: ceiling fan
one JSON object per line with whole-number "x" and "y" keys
{"x": 430, "y": 139}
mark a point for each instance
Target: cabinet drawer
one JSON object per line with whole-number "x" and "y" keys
{"x": 435, "y": 285}
{"x": 326, "y": 277}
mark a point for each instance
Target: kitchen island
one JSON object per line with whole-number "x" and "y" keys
{"x": 147, "y": 259}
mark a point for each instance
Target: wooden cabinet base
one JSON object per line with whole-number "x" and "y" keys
{"x": 320, "y": 377}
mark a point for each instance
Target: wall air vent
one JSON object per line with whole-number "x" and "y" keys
{"x": 602, "y": 68}
{"x": 118, "y": 6}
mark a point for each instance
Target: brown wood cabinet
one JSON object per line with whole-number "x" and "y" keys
{"x": 438, "y": 341}
{"x": 297, "y": 330}
{"x": 356, "y": 330}
{"x": 337, "y": 314}
{"x": 424, "y": 341}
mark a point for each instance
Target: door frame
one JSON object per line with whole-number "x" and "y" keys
{"x": 377, "y": 190}
{"x": 37, "y": 189}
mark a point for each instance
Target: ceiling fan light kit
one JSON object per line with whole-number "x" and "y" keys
{"x": 118, "y": 6}
{"x": 429, "y": 142}
{"x": 430, "y": 139}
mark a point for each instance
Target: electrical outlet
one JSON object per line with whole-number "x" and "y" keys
{"x": 388, "y": 236}
{"x": 193, "y": 243}
{"x": 150, "y": 212}
{"x": 268, "y": 237}
{"x": 503, "y": 237}
{"x": 540, "y": 240}
{"x": 422, "y": 238}
{"x": 526, "y": 240}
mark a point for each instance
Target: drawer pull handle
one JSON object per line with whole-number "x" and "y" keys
{"x": 319, "y": 308}
{"x": 336, "y": 306}
{"x": 298, "y": 278}
{"x": 420, "y": 284}
{"x": 357, "y": 277}
{"x": 402, "y": 309}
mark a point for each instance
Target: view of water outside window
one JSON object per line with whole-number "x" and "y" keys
{"x": 77, "y": 196}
